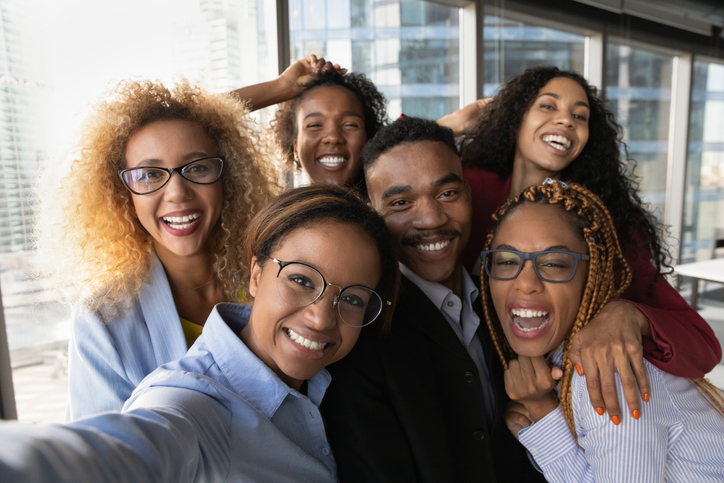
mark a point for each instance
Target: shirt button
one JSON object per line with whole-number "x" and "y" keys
{"x": 479, "y": 435}
{"x": 469, "y": 377}
{"x": 325, "y": 451}
{"x": 450, "y": 303}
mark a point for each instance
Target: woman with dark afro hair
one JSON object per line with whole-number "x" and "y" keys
{"x": 548, "y": 123}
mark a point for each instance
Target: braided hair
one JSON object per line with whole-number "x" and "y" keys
{"x": 608, "y": 276}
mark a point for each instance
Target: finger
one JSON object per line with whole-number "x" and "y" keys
{"x": 642, "y": 377}
{"x": 556, "y": 373}
{"x": 593, "y": 384}
{"x": 630, "y": 389}
{"x": 312, "y": 59}
{"x": 607, "y": 374}
{"x": 543, "y": 373}
{"x": 575, "y": 354}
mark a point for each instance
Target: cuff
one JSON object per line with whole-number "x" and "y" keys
{"x": 548, "y": 439}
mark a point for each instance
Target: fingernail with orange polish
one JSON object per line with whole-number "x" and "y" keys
{"x": 636, "y": 413}
{"x": 579, "y": 370}
{"x": 646, "y": 397}
{"x": 600, "y": 411}
{"x": 615, "y": 420}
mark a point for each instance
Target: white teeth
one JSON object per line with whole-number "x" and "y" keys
{"x": 528, "y": 313}
{"x": 332, "y": 161}
{"x": 433, "y": 246}
{"x": 181, "y": 222}
{"x": 557, "y": 142}
{"x": 309, "y": 344}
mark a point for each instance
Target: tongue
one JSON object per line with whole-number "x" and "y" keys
{"x": 530, "y": 322}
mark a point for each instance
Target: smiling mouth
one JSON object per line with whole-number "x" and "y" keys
{"x": 431, "y": 247}
{"x": 181, "y": 222}
{"x": 332, "y": 161}
{"x": 559, "y": 142}
{"x": 530, "y": 320}
{"x": 304, "y": 342}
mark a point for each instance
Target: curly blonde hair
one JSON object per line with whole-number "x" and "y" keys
{"x": 86, "y": 219}
{"x": 608, "y": 276}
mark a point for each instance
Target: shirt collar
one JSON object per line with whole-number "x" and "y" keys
{"x": 248, "y": 376}
{"x": 437, "y": 292}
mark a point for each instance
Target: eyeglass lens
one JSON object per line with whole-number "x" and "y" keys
{"x": 149, "y": 179}
{"x": 550, "y": 266}
{"x": 300, "y": 285}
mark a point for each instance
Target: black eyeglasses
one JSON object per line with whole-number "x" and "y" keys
{"x": 144, "y": 180}
{"x": 550, "y": 265}
{"x": 301, "y": 285}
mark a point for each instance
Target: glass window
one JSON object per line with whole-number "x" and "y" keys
{"x": 638, "y": 87}
{"x": 58, "y": 71}
{"x": 512, "y": 46}
{"x": 704, "y": 200}
{"x": 408, "y": 48}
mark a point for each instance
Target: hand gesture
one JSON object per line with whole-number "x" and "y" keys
{"x": 530, "y": 382}
{"x": 611, "y": 343}
{"x": 300, "y": 72}
{"x": 516, "y": 417}
{"x": 463, "y": 120}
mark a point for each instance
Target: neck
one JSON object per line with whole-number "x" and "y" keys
{"x": 186, "y": 273}
{"x": 526, "y": 174}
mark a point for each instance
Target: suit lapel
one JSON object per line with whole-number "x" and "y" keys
{"x": 420, "y": 313}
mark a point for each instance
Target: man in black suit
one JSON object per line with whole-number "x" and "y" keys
{"x": 426, "y": 401}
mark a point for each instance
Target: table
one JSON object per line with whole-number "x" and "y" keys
{"x": 711, "y": 270}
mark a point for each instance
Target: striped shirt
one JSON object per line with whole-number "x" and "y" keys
{"x": 679, "y": 438}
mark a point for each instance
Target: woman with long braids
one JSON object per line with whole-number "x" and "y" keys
{"x": 533, "y": 311}
{"x": 551, "y": 123}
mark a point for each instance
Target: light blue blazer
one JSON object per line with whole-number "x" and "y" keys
{"x": 110, "y": 355}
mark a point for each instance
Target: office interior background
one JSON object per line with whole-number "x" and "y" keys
{"x": 660, "y": 64}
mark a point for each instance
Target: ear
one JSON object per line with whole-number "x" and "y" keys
{"x": 255, "y": 277}
{"x": 297, "y": 161}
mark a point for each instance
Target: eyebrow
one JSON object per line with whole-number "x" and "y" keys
{"x": 395, "y": 190}
{"x": 551, "y": 248}
{"x": 187, "y": 157}
{"x": 556, "y": 96}
{"x": 344, "y": 114}
{"x": 449, "y": 178}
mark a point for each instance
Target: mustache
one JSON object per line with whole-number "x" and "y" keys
{"x": 418, "y": 237}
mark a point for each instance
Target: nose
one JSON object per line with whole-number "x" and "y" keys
{"x": 527, "y": 281}
{"x": 177, "y": 189}
{"x": 332, "y": 134}
{"x": 564, "y": 118}
{"x": 429, "y": 215}
{"x": 323, "y": 313}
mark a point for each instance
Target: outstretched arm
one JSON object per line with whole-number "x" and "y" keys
{"x": 287, "y": 86}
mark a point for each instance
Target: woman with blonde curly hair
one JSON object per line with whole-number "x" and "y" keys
{"x": 144, "y": 226}
{"x": 534, "y": 310}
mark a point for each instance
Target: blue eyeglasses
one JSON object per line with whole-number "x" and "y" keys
{"x": 551, "y": 266}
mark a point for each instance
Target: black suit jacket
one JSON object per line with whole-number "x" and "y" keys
{"x": 409, "y": 406}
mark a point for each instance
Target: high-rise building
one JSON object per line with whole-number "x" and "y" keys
{"x": 23, "y": 97}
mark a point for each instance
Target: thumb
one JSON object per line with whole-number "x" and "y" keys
{"x": 556, "y": 373}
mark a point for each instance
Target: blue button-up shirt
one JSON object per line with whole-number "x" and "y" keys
{"x": 218, "y": 414}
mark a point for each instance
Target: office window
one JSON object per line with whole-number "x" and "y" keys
{"x": 511, "y": 46}
{"x": 408, "y": 48}
{"x": 638, "y": 87}
{"x": 704, "y": 200}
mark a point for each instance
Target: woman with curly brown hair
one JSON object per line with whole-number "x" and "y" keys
{"x": 144, "y": 227}
{"x": 533, "y": 311}
{"x": 551, "y": 123}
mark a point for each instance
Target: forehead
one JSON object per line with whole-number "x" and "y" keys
{"x": 564, "y": 87}
{"x": 159, "y": 139}
{"x": 330, "y": 99}
{"x": 532, "y": 227}
{"x": 343, "y": 252}
{"x": 418, "y": 165}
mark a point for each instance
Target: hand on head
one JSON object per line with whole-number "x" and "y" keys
{"x": 301, "y": 71}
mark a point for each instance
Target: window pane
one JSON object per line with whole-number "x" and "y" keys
{"x": 512, "y": 46}
{"x": 638, "y": 87}
{"x": 704, "y": 201}
{"x": 408, "y": 48}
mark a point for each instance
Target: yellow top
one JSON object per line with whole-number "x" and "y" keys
{"x": 191, "y": 331}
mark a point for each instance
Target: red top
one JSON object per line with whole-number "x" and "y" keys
{"x": 670, "y": 317}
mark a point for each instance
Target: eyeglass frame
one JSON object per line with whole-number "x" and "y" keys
{"x": 532, "y": 256}
{"x": 335, "y": 304}
{"x": 170, "y": 172}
